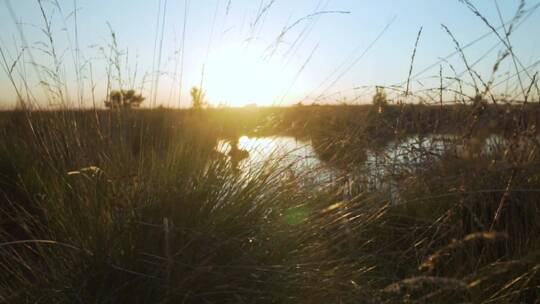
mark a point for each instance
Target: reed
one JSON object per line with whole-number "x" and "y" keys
{"x": 139, "y": 206}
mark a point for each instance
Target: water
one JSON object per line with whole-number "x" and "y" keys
{"x": 293, "y": 156}
{"x": 297, "y": 157}
{"x": 401, "y": 157}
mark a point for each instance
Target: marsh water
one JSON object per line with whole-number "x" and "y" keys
{"x": 299, "y": 158}
{"x": 282, "y": 153}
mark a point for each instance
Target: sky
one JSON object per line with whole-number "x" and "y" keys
{"x": 264, "y": 52}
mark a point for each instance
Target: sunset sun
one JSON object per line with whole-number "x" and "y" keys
{"x": 238, "y": 75}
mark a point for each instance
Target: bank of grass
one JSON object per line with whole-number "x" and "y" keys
{"x": 132, "y": 209}
{"x": 138, "y": 207}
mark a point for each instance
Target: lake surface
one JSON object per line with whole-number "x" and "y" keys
{"x": 284, "y": 153}
{"x": 299, "y": 158}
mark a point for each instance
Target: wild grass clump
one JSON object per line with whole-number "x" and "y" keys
{"x": 432, "y": 202}
{"x": 169, "y": 220}
{"x": 139, "y": 206}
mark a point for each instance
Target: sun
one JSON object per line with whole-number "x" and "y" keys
{"x": 242, "y": 74}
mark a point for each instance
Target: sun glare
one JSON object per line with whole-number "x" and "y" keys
{"x": 240, "y": 75}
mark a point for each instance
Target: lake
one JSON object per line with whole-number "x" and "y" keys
{"x": 299, "y": 158}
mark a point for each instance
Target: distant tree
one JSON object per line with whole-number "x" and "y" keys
{"x": 478, "y": 101}
{"x": 124, "y": 99}
{"x": 379, "y": 99}
{"x": 197, "y": 97}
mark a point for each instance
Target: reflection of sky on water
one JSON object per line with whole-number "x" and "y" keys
{"x": 292, "y": 156}
{"x": 286, "y": 149}
{"x": 413, "y": 150}
{"x": 299, "y": 158}
{"x": 379, "y": 170}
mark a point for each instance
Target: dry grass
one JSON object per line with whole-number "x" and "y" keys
{"x": 137, "y": 206}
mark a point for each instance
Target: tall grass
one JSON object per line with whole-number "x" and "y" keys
{"x": 138, "y": 206}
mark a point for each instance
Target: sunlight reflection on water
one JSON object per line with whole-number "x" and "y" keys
{"x": 298, "y": 157}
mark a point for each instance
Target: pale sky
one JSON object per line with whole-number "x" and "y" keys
{"x": 252, "y": 51}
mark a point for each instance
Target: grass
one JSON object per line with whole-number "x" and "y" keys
{"x": 137, "y": 206}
